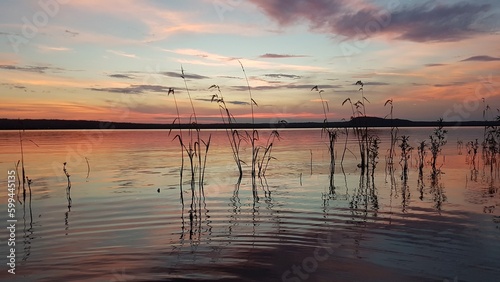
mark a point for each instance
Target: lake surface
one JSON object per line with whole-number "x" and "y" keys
{"x": 124, "y": 221}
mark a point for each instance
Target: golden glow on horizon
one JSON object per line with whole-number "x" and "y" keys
{"x": 126, "y": 58}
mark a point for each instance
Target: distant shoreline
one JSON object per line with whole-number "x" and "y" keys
{"x": 56, "y": 124}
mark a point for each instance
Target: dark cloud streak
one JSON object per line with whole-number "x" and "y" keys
{"x": 227, "y": 102}
{"x": 187, "y": 76}
{"x": 134, "y": 89}
{"x": 280, "y": 56}
{"x": 482, "y": 58}
{"x": 35, "y": 69}
{"x": 125, "y": 76}
{"x": 424, "y": 22}
{"x": 435, "y": 65}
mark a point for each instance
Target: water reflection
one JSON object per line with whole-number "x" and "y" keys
{"x": 68, "y": 198}
{"x": 229, "y": 234}
{"x": 364, "y": 198}
{"x": 437, "y": 189}
{"x": 28, "y": 230}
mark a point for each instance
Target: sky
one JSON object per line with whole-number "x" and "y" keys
{"x": 115, "y": 60}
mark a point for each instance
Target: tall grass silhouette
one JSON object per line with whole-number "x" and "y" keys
{"x": 193, "y": 148}
{"x": 68, "y": 187}
{"x": 261, "y": 155}
{"x": 437, "y": 141}
{"x": 422, "y": 152}
{"x": 332, "y": 134}
{"x": 254, "y": 136}
{"x": 406, "y": 150}
{"x": 23, "y": 169}
{"x": 394, "y": 133}
{"x": 179, "y": 137}
{"x": 233, "y": 135}
{"x": 360, "y": 126}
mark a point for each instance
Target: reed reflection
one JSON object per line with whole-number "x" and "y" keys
{"x": 28, "y": 230}
{"x": 68, "y": 198}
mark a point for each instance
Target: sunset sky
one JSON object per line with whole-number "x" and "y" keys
{"x": 115, "y": 60}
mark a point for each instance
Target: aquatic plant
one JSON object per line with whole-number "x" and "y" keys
{"x": 68, "y": 187}
{"x": 472, "y": 147}
{"x": 233, "y": 135}
{"x": 360, "y": 131}
{"x": 253, "y": 138}
{"x": 22, "y": 164}
{"x": 193, "y": 148}
{"x": 492, "y": 141}
{"x": 421, "y": 151}
{"x": 394, "y": 133}
{"x": 266, "y": 158}
{"x": 332, "y": 135}
{"x": 255, "y": 134}
{"x": 406, "y": 150}
{"x": 23, "y": 170}
{"x": 373, "y": 155}
{"x": 363, "y": 131}
{"x": 437, "y": 141}
{"x": 179, "y": 137}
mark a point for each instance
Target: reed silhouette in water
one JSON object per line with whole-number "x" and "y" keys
{"x": 437, "y": 141}
{"x": 406, "y": 150}
{"x": 27, "y": 230}
{"x": 68, "y": 197}
{"x": 332, "y": 134}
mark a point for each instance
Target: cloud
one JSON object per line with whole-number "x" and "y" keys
{"x": 373, "y": 83}
{"x": 118, "y": 75}
{"x": 424, "y": 22}
{"x": 309, "y": 86}
{"x": 285, "y": 86}
{"x": 34, "y": 69}
{"x": 435, "y": 65}
{"x": 44, "y": 48}
{"x": 258, "y": 88}
{"x": 456, "y": 83}
{"x": 71, "y": 33}
{"x": 229, "y": 77}
{"x": 281, "y": 75}
{"x": 227, "y": 102}
{"x": 134, "y": 89}
{"x": 280, "y": 56}
{"x": 11, "y": 85}
{"x": 482, "y": 58}
{"x": 440, "y": 23}
{"x": 187, "y": 76}
{"x": 376, "y": 83}
{"x": 123, "y": 54}
{"x": 238, "y": 103}
{"x": 211, "y": 59}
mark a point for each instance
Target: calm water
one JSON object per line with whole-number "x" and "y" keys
{"x": 118, "y": 227}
